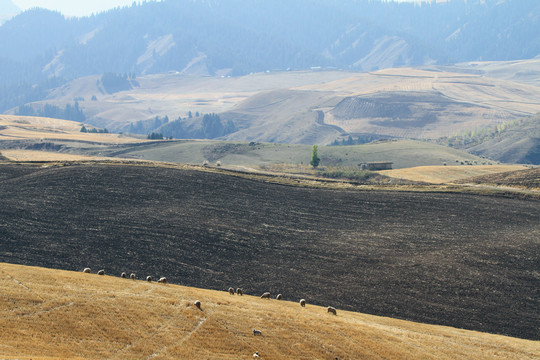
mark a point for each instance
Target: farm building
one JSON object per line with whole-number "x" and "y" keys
{"x": 376, "y": 166}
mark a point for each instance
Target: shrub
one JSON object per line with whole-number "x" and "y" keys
{"x": 350, "y": 173}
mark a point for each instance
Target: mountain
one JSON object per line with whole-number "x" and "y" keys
{"x": 235, "y": 37}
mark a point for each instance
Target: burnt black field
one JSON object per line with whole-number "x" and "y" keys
{"x": 450, "y": 259}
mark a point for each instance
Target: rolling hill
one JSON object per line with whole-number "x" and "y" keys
{"x": 444, "y": 258}
{"x": 72, "y": 315}
{"x": 307, "y": 107}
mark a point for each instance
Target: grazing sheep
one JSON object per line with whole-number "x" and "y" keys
{"x": 256, "y": 355}
{"x": 257, "y": 332}
{"x": 123, "y": 275}
{"x": 197, "y": 303}
{"x": 132, "y": 276}
{"x": 231, "y": 291}
{"x": 87, "y": 270}
{"x": 148, "y": 278}
{"x": 266, "y": 295}
{"x": 332, "y": 310}
{"x": 279, "y": 297}
{"x": 302, "y": 302}
{"x": 162, "y": 280}
{"x": 239, "y": 291}
{"x": 101, "y": 272}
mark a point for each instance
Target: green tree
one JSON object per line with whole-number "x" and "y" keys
{"x": 315, "y": 160}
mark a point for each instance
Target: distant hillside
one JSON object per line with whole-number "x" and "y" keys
{"x": 307, "y": 107}
{"x": 232, "y": 37}
{"x": 64, "y": 312}
{"x": 515, "y": 142}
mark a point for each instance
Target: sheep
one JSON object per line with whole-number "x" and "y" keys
{"x": 162, "y": 280}
{"x": 302, "y": 302}
{"x": 257, "y": 332}
{"x": 149, "y": 278}
{"x": 123, "y": 275}
{"x": 279, "y": 297}
{"x": 87, "y": 270}
{"x": 231, "y": 291}
{"x": 197, "y": 304}
{"x": 101, "y": 272}
{"x": 239, "y": 291}
{"x": 266, "y": 295}
{"x": 132, "y": 276}
{"x": 256, "y": 355}
{"x": 332, "y": 310}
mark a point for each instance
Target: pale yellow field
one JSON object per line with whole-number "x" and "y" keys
{"x": 31, "y": 155}
{"x": 448, "y": 174}
{"x": 29, "y": 127}
{"x": 50, "y": 314}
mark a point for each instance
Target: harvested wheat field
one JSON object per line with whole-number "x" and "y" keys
{"x": 34, "y": 155}
{"x": 52, "y": 314}
{"x": 38, "y": 128}
{"x": 448, "y": 174}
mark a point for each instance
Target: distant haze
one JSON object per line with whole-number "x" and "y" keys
{"x": 84, "y": 8}
{"x": 73, "y": 8}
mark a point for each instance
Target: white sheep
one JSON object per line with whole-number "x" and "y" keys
{"x": 266, "y": 295}
{"x": 332, "y": 310}
{"x": 162, "y": 280}
{"x": 101, "y": 272}
{"x": 302, "y": 302}
{"x": 148, "y": 278}
{"x": 123, "y": 275}
{"x": 87, "y": 270}
{"x": 132, "y": 276}
{"x": 256, "y": 355}
{"x": 197, "y": 303}
{"x": 257, "y": 332}
{"x": 279, "y": 297}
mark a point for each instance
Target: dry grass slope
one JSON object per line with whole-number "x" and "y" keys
{"x": 51, "y": 314}
{"x": 447, "y": 174}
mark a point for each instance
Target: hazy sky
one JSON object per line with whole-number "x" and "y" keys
{"x": 73, "y": 7}
{"x": 78, "y": 7}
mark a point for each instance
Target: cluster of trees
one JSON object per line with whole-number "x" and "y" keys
{"x": 155, "y": 136}
{"x": 69, "y": 112}
{"x": 94, "y": 130}
{"x": 147, "y": 126}
{"x": 360, "y": 139}
{"x": 207, "y": 126}
{"x": 23, "y": 92}
{"x": 112, "y": 82}
{"x": 468, "y": 138}
{"x": 213, "y": 127}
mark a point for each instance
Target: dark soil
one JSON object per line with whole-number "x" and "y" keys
{"x": 453, "y": 259}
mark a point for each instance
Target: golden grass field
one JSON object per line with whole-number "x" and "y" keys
{"x": 29, "y": 127}
{"x": 32, "y": 155}
{"x": 448, "y": 174}
{"x": 52, "y": 314}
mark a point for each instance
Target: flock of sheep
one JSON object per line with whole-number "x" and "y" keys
{"x": 231, "y": 290}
